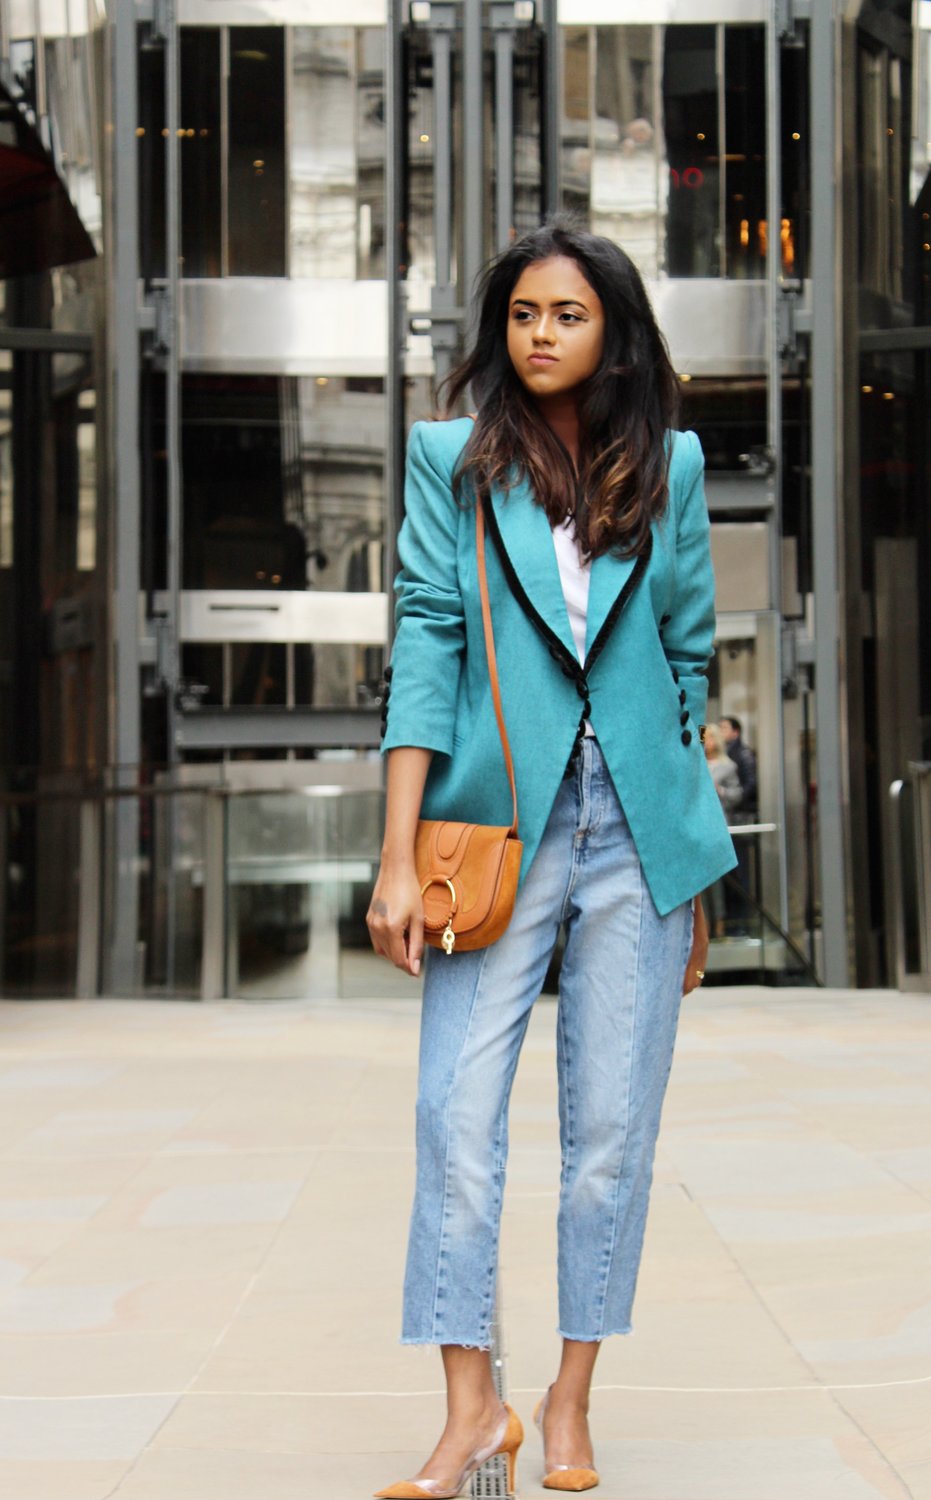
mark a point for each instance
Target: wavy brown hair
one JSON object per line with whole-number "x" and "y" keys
{"x": 624, "y": 409}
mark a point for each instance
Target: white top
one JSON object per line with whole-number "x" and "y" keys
{"x": 575, "y": 577}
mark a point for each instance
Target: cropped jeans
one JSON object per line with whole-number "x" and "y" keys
{"x": 620, "y": 989}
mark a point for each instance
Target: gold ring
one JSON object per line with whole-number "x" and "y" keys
{"x": 700, "y": 973}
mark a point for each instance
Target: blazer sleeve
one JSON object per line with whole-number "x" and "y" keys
{"x": 688, "y": 637}
{"x": 429, "y": 643}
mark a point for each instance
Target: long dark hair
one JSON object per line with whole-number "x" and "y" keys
{"x": 624, "y": 408}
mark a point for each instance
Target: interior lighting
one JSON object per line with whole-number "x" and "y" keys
{"x": 276, "y": 578}
{"x": 685, "y": 377}
{"x": 888, "y": 395}
{"x": 796, "y": 136}
{"x": 867, "y": 390}
{"x": 889, "y": 130}
{"x": 204, "y": 131}
{"x": 926, "y": 246}
{"x": 762, "y": 236}
{"x": 258, "y": 163}
{"x": 926, "y": 217}
{"x": 166, "y": 131}
{"x": 738, "y": 197}
{"x": 140, "y": 130}
{"x": 323, "y": 379}
{"x": 424, "y": 139}
{"x": 700, "y": 136}
{"x": 745, "y": 232}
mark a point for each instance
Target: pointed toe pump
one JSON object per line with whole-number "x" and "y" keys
{"x": 570, "y": 1477}
{"x": 507, "y": 1440}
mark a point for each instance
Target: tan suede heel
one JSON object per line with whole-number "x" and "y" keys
{"x": 564, "y": 1476}
{"x": 507, "y": 1441}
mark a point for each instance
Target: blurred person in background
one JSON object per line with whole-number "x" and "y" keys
{"x": 727, "y": 785}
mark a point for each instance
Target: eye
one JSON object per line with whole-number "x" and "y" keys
{"x": 521, "y": 314}
{"x": 573, "y": 317}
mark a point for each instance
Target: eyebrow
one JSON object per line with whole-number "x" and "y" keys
{"x": 565, "y": 302}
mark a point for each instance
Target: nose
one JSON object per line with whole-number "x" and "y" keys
{"x": 543, "y": 332}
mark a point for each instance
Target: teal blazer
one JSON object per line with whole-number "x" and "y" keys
{"x": 650, "y": 632}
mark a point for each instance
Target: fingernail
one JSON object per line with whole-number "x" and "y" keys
{"x": 416, "y": 966}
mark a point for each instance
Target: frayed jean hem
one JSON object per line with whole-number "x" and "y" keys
{"x": 443, "y": 1342}
{"x": 594, "y": 1338}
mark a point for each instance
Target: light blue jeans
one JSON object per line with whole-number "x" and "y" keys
{"x": 620, "y": 990}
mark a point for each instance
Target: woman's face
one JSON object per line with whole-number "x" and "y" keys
{"x": 555, "y": 327}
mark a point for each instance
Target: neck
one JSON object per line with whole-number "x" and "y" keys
{"x": 561, "y": 413}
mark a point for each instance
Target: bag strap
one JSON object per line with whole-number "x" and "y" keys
{"x": 490, "y": 653}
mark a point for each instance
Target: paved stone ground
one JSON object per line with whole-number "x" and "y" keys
{"x": 202, "y": 1221}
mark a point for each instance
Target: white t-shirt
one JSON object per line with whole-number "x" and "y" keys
{"x": 575, "y": 577}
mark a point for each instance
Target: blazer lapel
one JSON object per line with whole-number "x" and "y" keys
{"x": 609, "y": 577}
{"x": 522, "y": 532}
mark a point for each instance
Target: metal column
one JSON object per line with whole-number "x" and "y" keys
{"x": 826, "y": 486}
{"x": 123, "y": 350}
{"x": 395, "y": 255}
{"x": 777, "y": 23}
{"x": 473, "y": 157}
{"x": 550, "y": 105}
{"x": 502, "y": 26}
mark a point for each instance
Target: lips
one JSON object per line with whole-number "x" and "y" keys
{"x": 543, "y": 359}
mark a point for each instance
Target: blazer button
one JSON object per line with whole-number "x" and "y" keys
{"x": 665, "y": 619}
{"x": 682, "y": 695}
{"x": 684, "y": 716}
{"x": 675, "y": 675}
{"x": 686, "y": 736}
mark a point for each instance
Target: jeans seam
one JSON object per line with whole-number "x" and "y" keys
{"x": 444, "y": 1214}
{"x": 606, "y": 1279}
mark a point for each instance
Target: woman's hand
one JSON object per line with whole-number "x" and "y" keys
{"x": 395, "y": 916}
{"x": 698, "y": 958}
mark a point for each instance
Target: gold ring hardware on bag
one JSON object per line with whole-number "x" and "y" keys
{"x": 449, "y": 937}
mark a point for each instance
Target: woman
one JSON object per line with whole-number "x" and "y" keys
{"x": 727, "y": 785}
{"x": 602, "y": 600}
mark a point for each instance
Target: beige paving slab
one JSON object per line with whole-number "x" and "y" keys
{"x": 897, "y": 1419}
{"x": 95, "y": 1364}
{"x": 69, "y": 1480}
{"x": 219, "y": 1194}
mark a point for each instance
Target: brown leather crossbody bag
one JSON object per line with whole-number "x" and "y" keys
{"x": 468, "y": 872}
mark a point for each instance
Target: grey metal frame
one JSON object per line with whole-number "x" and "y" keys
{"x": 123, "y": 319}
{"x": 826, "y": 408}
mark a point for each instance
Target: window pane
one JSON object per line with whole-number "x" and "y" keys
{"x": 745, "y": 124}
{"x": 627, "y": 161}
{"x": 200, "y": 150}
{"x": 150, "y": 133}
{"x": 256, "y": 151}
{"x": 370, "y": 134}
{"x": 323, "y": 152}
{"x": 690, "y": 109}
{"x": 576, "y": 123}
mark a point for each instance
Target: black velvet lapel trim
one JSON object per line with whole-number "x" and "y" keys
{"x": 614, "y": 613}
{"x": 556, "y": 646}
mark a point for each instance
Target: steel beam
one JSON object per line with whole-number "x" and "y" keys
{"x": 503, "y": 25}
{"x": 551, "y": 106}
{"x": 281, "y": 728}
{"x": 774, "y": 351}
{"x": 123, "y": 374}
{"x": 473, "y": 159}
{"x": 827, "y": 491}
{"x": 396, "y": 108}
